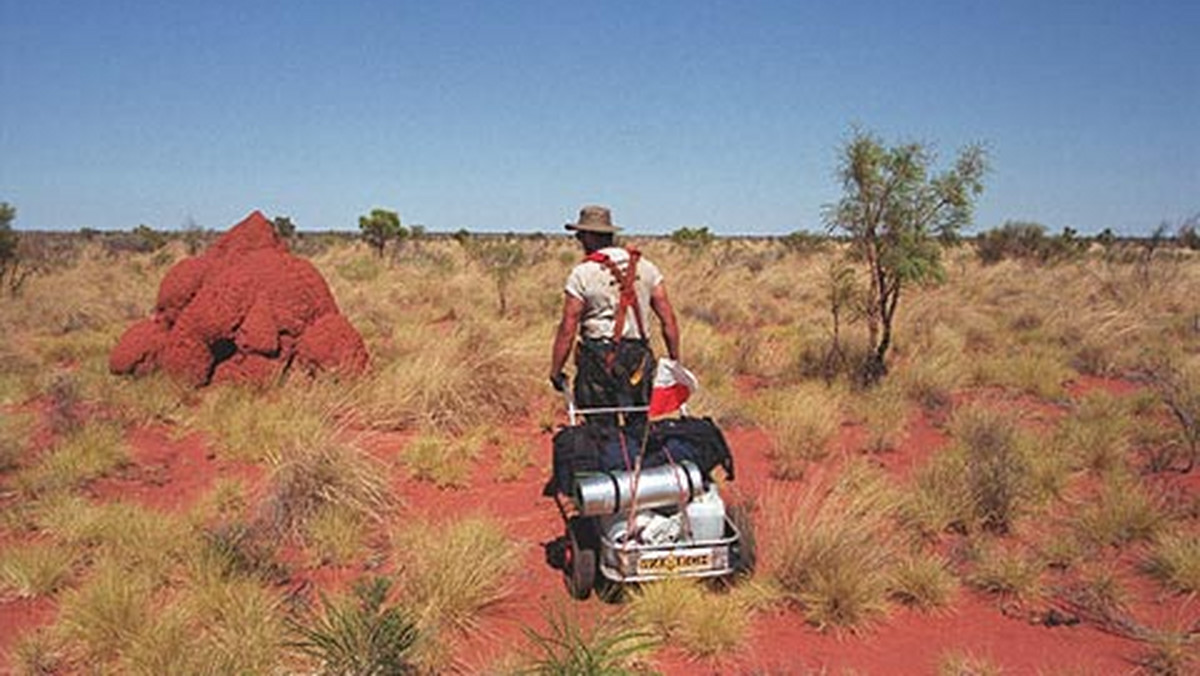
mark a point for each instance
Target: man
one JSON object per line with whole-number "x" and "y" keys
{"x": 605, "y": 303}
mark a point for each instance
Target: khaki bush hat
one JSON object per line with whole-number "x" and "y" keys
{"x": 594, "y": 218}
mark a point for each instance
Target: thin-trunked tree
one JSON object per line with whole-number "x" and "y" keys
{"x": 897, "y": 215}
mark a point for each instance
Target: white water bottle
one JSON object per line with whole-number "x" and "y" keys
{"x": 706, "y": 515}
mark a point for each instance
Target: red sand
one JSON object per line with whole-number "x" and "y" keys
{"x": 173, "y": 474}
{"x": 246, "y": 310}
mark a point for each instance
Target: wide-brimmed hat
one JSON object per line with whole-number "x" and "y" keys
{"x": 594, "y": 218}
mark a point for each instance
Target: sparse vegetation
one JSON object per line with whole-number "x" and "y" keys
{"x": 1041, "y": 447}
{"x": 567, "y": 647}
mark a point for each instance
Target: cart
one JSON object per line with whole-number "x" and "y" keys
{"x": 636, "y": 524}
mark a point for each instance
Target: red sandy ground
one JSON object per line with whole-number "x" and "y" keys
{"x": 172, "y": 474}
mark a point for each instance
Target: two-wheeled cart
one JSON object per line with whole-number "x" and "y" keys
{"x": 639, "y": 501}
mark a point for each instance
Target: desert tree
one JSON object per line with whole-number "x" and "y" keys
{"x": 502, "y": 259}
{"x": 284, "y": 227}
{"x": 8, "y": 238}
{"x": 896, "y": 215}
{"x": 379, "y": 227}
{"x": 12, "y": 272}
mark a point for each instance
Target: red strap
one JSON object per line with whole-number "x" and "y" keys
{"x": 628, "y": 292}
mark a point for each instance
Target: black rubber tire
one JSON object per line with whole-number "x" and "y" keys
{"x": 580, "y": 569}
{"x": 745, "y": 550}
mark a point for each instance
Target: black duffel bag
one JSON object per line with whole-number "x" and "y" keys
{"x": 589, "y": 448}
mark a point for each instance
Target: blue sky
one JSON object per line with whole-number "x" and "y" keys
{"x": 510, "y": 115}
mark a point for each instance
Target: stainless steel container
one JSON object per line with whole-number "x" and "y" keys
{"x": 612, "y": 492}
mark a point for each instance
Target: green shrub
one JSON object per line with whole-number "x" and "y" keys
{"x": 359, "y": 635}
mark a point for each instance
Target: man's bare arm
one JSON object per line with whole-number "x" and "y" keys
{"x": 661, "y": 304}
{"x": 568, "y": 327}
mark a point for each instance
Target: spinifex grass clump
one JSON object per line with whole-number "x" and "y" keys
{"x": 35, "y": 569}
{"x": 997, "y": 467}
{"x": 14, "y": 435}
{"x": 320, "y": 474}
{"x": 569, "y": 648}
{"x": 452, "y": 572}
{"x": 445, "y": 461}
{"x": 1122, "y": 513}
{"x": 107, "y": 613}
{"x": 884, "y": 412}
{"x": 462, "y": 381}
{"x": 359, "y": 635}
{"x": 683, "y": 611}
{"x": 1097, "y": 433}
{"x": 801, "y": 423}
{"x": 90, "y": 451}
{"x": 922, "y": 580}
{"x": 1006, "y": 571}
{"x": 248, "y": 423}
{"x": 1174, "y": 560}
{"x": 832, "y": 548}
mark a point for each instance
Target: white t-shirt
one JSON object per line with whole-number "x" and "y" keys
{"x": 600, "y": 292}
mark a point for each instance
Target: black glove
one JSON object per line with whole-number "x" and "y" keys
{"x": 559, "y": 381}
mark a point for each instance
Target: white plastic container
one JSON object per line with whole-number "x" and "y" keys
{"x": 706, "y": 515}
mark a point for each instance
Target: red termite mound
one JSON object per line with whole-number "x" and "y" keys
{"x": 245, "y": 310}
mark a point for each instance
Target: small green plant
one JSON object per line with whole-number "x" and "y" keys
{"x": 606, "y": 648}
{"x": 360, "y": 635}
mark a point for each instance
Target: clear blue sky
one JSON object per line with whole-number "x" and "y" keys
{"x": 510, "y": 115}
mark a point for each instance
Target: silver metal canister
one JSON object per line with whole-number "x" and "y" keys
{"x": 612, "y": 492}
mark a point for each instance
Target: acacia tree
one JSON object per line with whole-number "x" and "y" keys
{"x": 897, "y": 215}
{"x": 379, "y": 227}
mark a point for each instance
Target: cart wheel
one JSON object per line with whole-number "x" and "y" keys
{"x": 580, "y": 568}
{"x": 745, "y": 550}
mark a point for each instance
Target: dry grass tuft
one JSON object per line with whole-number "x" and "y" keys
{"x": 1122, "y": 513}
{"x": 1007, "y": 572}
{"x": 801, "y": 423}
{"x": 35, "y": 569}
{"x": 923, "y": 580}
{"x": 452, "y": 572}
{"x": 91, "y": 451}
{"x": 960, "y": 663}
{"x": 323, "y": 473}
{"x": 1174, "y": 560}
{"x": 831, "y": 549}
{"x": 106, "y": 614}
{"x": 1098, "y": 432}
{"x": 455, "y": 383}
{"x": 704, "y": 623}
{"x": 447, "y": 462}
{"x": 884, "y": 412}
